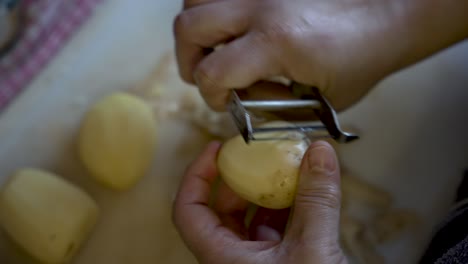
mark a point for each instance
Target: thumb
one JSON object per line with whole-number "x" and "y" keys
{"x": 316, "y": 215}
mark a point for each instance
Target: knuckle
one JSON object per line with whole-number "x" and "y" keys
{"x": 182, "y": 23}
{"x": 324, "y": 195}
{"x": 208, "y": 77}
{"x": 276, "y": 34}
{"x": 216, "y": 101}
{"x": 186, "y": 77}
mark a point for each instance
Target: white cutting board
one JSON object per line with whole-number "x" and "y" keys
{"x": 412, "y": 126}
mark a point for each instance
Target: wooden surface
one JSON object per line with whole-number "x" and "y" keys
{"x": 412, "y": 125}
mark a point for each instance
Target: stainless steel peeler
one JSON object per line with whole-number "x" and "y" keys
{"x": 308, "y": 104}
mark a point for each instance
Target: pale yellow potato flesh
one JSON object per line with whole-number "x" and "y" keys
{"x": 117, "y": 140}
{"x": 263, "y": 172}
{"x": 46, "y": 216}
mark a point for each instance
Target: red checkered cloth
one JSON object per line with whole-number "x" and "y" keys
{"x": 50, "y": 23}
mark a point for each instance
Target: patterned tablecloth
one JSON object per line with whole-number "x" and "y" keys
{"x": 48, "y": 25}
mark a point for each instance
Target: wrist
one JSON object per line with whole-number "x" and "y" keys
{"x": 425, "y": 27}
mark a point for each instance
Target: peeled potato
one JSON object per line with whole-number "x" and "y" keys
{"x": 45, "y": 215}
{"x": 117, "y": 140}
{"x": 263, "y": 172}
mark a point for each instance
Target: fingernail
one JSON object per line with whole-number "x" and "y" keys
{"x": 322, "y": 157}
{"x": 265, "y": 233}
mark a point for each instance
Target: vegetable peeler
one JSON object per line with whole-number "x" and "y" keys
{"x": 306, "y": 105}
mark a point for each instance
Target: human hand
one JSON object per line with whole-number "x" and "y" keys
{"x": 342, "y": 47}
{"x": 217, "y": 234}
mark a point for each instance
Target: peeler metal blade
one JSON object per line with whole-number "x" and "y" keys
{"x": 310, "y": 103}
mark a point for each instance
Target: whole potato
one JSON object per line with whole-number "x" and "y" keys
{"x": 117, "y": 140}
{"x": 47, "y": 216}
{"x": 264, "y": 172}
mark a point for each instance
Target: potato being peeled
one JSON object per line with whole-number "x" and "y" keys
{"x": 117, "y": 140}
{"x": 263, "y": 172}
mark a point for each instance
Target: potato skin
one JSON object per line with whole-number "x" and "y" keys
{"x": 117, "y": 140}
{"x": 263, "y": 172}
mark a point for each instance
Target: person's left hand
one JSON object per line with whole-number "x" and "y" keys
{"x": 218, "y": 235}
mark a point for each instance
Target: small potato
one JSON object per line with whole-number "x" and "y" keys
{"x": 264, "y": 172}
{"x": 117, "y": 140}
{"x": 46, "y": 216}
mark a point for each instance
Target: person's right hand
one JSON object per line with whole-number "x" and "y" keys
{"x": 342, "y": 47}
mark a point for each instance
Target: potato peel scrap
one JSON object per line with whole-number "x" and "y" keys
{"x": 355, "y": 243}
{"x": 359, "y": 237}
{"x": 363, "y": 192}
{"x": 388, "y": 226}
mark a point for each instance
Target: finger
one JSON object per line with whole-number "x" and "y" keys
{"x": 231, "y": 208}
{"x": 317, "y": 206}
{"x": 199, "y": 177}
{"x": 192, "y": 3}
{"x": 193, "y": 218}
{"x": 265, "y": 233}
{"x": 228, "y": 202}
{"x": 206, "y": 26}
{"x": 265, "y": 90}
{"x": 239, "y": 64}
{"x": 268, "y": 224}
{"x": 209, "y": 24}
